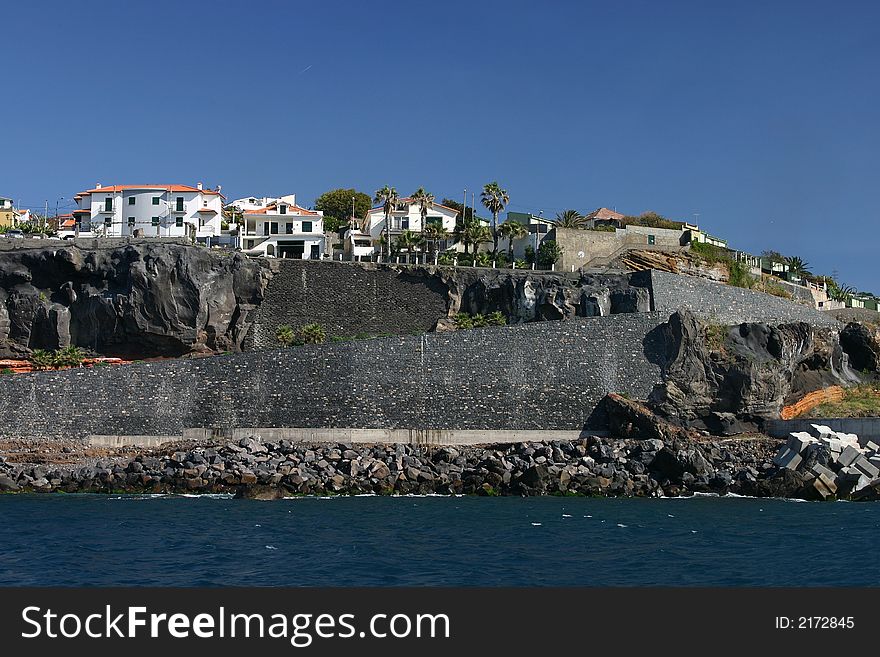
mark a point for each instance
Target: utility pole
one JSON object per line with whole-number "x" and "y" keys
{"x": 45, "y": 214}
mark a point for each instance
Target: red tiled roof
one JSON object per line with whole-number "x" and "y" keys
{"x": 170, "y": 188}
{"x": 212, "y": 210}
{"x": 605, "y": 213}
{"x": 84, "y": 211}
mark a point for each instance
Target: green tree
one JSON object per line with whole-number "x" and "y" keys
{"x": 494, "y": 199}
{"x": 512, "y": 230}
{"x": 425, "y": 201}
{"x": 388, "y": 198}
{"x": 435, "y": 233}
{"x": 570, "y": 219}
{"x": 336, "y": 206}
{"x": 841, "y": 293}
{"x": 409, "y": 241}
{"x": 473, "y": 233}
{"x": 549, "y": 253}
{"x": 798, "y": 266}
{"x": 463, "y": 214}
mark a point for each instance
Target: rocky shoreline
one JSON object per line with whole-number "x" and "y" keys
{"x": 593, "y": 466}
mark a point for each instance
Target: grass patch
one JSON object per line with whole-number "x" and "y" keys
{"x": 859, "y": 401}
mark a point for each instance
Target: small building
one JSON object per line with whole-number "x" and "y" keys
{"x": 605, "y": 217}
{"x": 10, "y": 216}
{"x": 149, "y": 211}
{"x": 283, "y": 230}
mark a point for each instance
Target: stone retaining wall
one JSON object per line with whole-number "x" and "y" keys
{"x": 543, "y": 375}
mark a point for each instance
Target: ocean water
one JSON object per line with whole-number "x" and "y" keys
{"x": 93, "y": 540}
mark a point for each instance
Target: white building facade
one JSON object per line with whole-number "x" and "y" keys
{"x": 150, "y": 211}
{"x": 407, "y": 216}
{"x": 251, "y": 203}
{"x": 282, "y": 229}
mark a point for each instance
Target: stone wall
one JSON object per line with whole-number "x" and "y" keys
{"x": 546, "y": 375}
{"x": 347, "y": 299}
{"x": 724, "y": 304}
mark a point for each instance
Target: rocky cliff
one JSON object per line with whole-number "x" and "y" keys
{"x": 145, "y": 299}
{"x": 715, "y": 376}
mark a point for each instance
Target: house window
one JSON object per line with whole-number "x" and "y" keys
{"x": 307, "y": 226}
{"x": 155, "y": 221}
{"x": 289, "y": 228}
{"x": 108, "y": 204}
{"x": 131, "y": 221}
{"x": 651, "y": 239}
{"x": 404, "y": 223}
{"x": 435, "y": 221}
{"x": 108, "y": 222}
{"x": 155, "y": 200}
{"x": 131, "y": 200}
{"x": 179, "y": 207}
{"x": 266, "y": 228}
{"x": 274, "y": 229}
{"x": 178, "y": 221}
{"x": 282, "y": 209}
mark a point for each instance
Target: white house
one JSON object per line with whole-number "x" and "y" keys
{"x": 283, "y": 229}
{"x": 250, "y": 203}
{"x": 407, "y": 216}
{"x": 149, "y": 211}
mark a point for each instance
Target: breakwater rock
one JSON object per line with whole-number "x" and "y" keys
{"x": 591, "y": 466}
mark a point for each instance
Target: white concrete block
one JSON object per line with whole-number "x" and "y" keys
{"x": 798, "y": 441}
{"x": 819, "y": 469}
{"x": 848, "y": 456}
{"x": 866, "y": 467}
{"x": 787, "y": 458}
{"x": 822, "y": 430}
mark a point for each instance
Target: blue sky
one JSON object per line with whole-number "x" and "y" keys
{"x": 761, "y": 117}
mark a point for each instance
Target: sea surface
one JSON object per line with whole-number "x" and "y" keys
{"x": 95, "y": 540}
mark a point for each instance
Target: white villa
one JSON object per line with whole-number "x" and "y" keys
{"x": 365, "y": 241}
{"x": 149, "y": 211}
{"x": 282, "y": 229}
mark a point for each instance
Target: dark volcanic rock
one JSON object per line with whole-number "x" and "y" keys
{"x": 749, "y": 370}
{"x": 144, "y": 299}
{"x": 861, "y": 346}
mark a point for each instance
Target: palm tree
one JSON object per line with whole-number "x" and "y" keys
{"x": 494, "y": 199}
{"x": 389, "y": 198}
{"x": 512, "y": 230}
{"x": 409, "y": 241}
{"x": 475, "y": 233}
{"x": 570, "y": 219}
{"x": 798, "y": 267}
{"x": 434, "y": 233}
{"x": 425, "y": 201}
{"x": 841, "y": 293}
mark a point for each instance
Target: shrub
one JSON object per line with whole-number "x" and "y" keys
{"x": 549, "y": 253}
{"x": 285, "y": 335}
{"x": 480, "y": 321}
{"x": 496, "y": 319}
{"x": 709, "y": 253}
{"x": 716, "y": 334}
{"x": 776, "y": 289}
{"x": 483, "y": 259}
{"x": 530, "y": 254}
{"x": 446, "y": 258}
{"x": 69, "y": 356}
{"x": 312, "y": 334}
{"x": 740, "y": 276}
{"x": 604, "y": 229}
{"x": 7, "y": 370}
{"x": 521, "y": 264}
{"x": 464, "y": 321}
{"x": 40, "y": 359}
